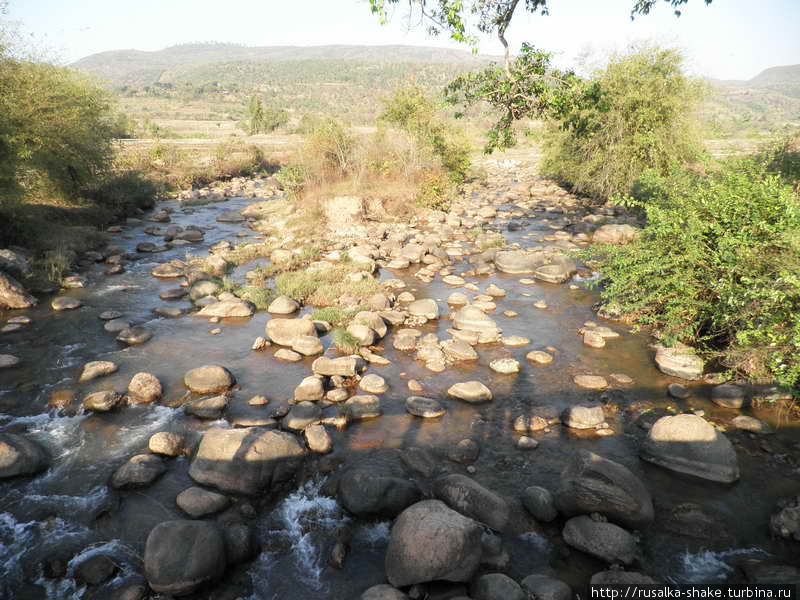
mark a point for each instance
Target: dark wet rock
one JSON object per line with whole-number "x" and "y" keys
{"x": 473, "y": 392}
{"x": 102, "y": 401}
{"x": 198, "y": 502}
{"x": 496, "y": 586}
{"x": 383, "y": 592}
{"x": 605, "y": 541}
{"x": 376, "y": 486}
{"x": 318, "y": 439}
{"x": 426, "y": 408}
{"x": 430, "y": 542}
{"x": 464, "y": 452}
{"x": 13, "y": 294}
{"x": 751, "y": 424}
{"x": 15, "y": 263}
{"x": 134, "y": 335}
{"x": 680, "y": 361}
{"x": 365, "y": 406}
{"x": 65, "y": 303}
{"x": 241, "y": 544}
{"x": 757, "y": 571}
{"x": 167, "y": 443}
{"x": 583, "y": 417}
{"x": 786, "y": 522}
{"x": 97, "y": 368}
{"x": 173, "y": 294}
{"x": 593, "y": 484}
{"x": 284, "y": 332}
{"x": 209, "y": 379}
{"x": 728, "y": 395}
{"x": 302, "y": 415}
{"x": 544, "y": 587}
{"x": 95, "y": 570}
{"x": 167, "y": 271}
{"x": 540, "y": 503}
{"x": 617, "y": 577}
{"x": 246, "y": 461}
{"x": 20, "y": 456}
{"x": 181, "y": 556}
{"x": 690, "y": 444}
{"x": 140, "y": 471}
{"x": 676, "y": 390}
{"x": 692, "y": 520}
{"x": 471, "y": 499}
{"x": 207, "y": 408}
{"x": 144, "y": 388}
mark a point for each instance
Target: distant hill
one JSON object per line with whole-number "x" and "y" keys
{"x": 231, "y": 64}
{"x": 789, "y": 74}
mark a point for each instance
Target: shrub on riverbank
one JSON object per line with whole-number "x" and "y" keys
{"x": 718, "y": 265}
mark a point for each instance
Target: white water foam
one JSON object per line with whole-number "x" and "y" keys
{"x": 707, "y": 566}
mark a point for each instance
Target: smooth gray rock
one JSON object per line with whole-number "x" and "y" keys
{"x": 540, "y": 503}
{"x": 140, "y": 471}
{"x": 605, "y": 541}
{"x": 471, "y": 499}
{"x": 209, "y": 379}
{"x": 496, "y": 586}
{"x": 20, "y": 455}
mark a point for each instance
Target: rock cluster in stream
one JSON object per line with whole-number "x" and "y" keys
{"x": 449, "y": 533}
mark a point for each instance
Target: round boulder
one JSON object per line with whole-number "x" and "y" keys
{"x": 209, "y": 379}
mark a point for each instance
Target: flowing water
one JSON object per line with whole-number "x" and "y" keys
{"x": 68, "y": 511}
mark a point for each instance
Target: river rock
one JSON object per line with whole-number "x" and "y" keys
{"x": 365, "y": 406}
{"x": 65, "y": 303}
{"x": 593, "y": 484}
{"x": 308, "y": 345}
{"x": 618, "y": 235}
{"x": 459, "y": 350}
{"x": 209, "y": 379}
{"x": 202, "y": 289}
{"x": 373, "y": 384}
{"x": 786, "y": 522}
{"x": 430, "y": 542}
{"x": 97, "y": 368}
{"x": 13, "y": 295}
{"x": 617, "y": 577}
{"x": 302, "y": 415}
{"x": 583, "y": 417}
{"x": 427, "y": 408}
{"x": 182, "y": 556}
{"x": 690, "y": 444}
{"x": 166, "y": 443}
{"x": 227, "y": 309}
{"x": 207, "y": 408}
{"x": 679, "y": 361}
{"x": 116, "y": 325}
{"x": 284, "y": 332}
{"x": 376, "y": 486}
{"x": 344, "y": 366}
{"x": 288, "y": 355}
{"x": 591, "y": 382}
{"x": 544, "y": 587}
{"x": 362, "y": 333}
{"x": 751, "y": 424}
{"x": 516, "y": 262}
{"x": 134, "y": 335}
{"x": 678, "y": 391}
{"x": 496, "y": 586}
{"x": 383, "y": 592}
{"x": 167, "y": 271}
{"x": 102, "y": 401}
{"x": 540, "y": 503}
{"x": 728, "y": 395}
{"x": 8, "y": 361}
{"x": 472, "y": 318}
{"x": 372, "y": 320}
{"x": 464, "y": 452}
{"x": 318, "y": 438}
{"x": 144, "y": 388}
{"x": 473, "y": 500}
{"x": 504, "y": 366}
{"x": 246, "y": 460}
{"x": 198, "y": 502}
{"x": 473, "y": 392}
{"x": 20, "y": 455}
{"x": 309, "y": 390}
{"x": 539, "y": 357}
{"x": 426, "y": 307}
{"x": 173, "y": 294}
{"x": 605, "y": 541}
{"x": 283, "y": 305}
{"x": 140, "y": 471}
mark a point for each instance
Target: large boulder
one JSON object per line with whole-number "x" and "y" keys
{"x": 20, "y": 456}
{"x": 426, "y": 307}
{"x": 181, "y": 556}
{"x": 679, "y": 361}
{"x": 344, "y": 366}
{"x": 517, "y": 262}
{"x": 144, "y": 388}
{"x": 376, "y": 486}
{"x": 496, "y": 586}
{"x": 227, "y": 309}
{"x": 431, "y": 542}
{"x": 284, "y": 332}
{"x": 547, "y": 265}
{"x": 605, "y": 541}
{"x": 473, "y": 500}
{"x": 246, "y": 460}
{"x": 209, "y": 379}
{"x": 591, "y": 483}
{"x": 13, "y": 295}
{"x": 140, "y": 471}
{"x": 690, "y": 444}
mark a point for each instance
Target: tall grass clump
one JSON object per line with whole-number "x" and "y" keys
{"x": 638, "y": 113}
{"x": 717, "y": 266}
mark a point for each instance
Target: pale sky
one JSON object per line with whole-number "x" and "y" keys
{"x": 730, "y": 39}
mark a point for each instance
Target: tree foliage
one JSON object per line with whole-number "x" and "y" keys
{"x": 264, "y": 119}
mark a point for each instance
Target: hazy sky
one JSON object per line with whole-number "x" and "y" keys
{"x": 730, "y": 39}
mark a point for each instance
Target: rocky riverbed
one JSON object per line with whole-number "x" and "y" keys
{"x": 495, "y": 435}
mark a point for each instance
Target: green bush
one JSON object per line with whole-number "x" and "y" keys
{"x": 718, "y": 266}
{"x": 435, "y": 191}
{"x": 636, "y": 114}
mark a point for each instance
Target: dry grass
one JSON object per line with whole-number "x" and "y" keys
{"x": 323, "y": 287}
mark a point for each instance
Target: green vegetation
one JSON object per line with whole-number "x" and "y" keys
{"x": 345, "y": 342}
{"x": 260, "y": 297}
{"x": 638, "y": 113}
{"x": 263, "y": 119}
{"x": 323, "y": 287}
{"x": 718, "y": 264}
{"x": 334, "y": 315}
